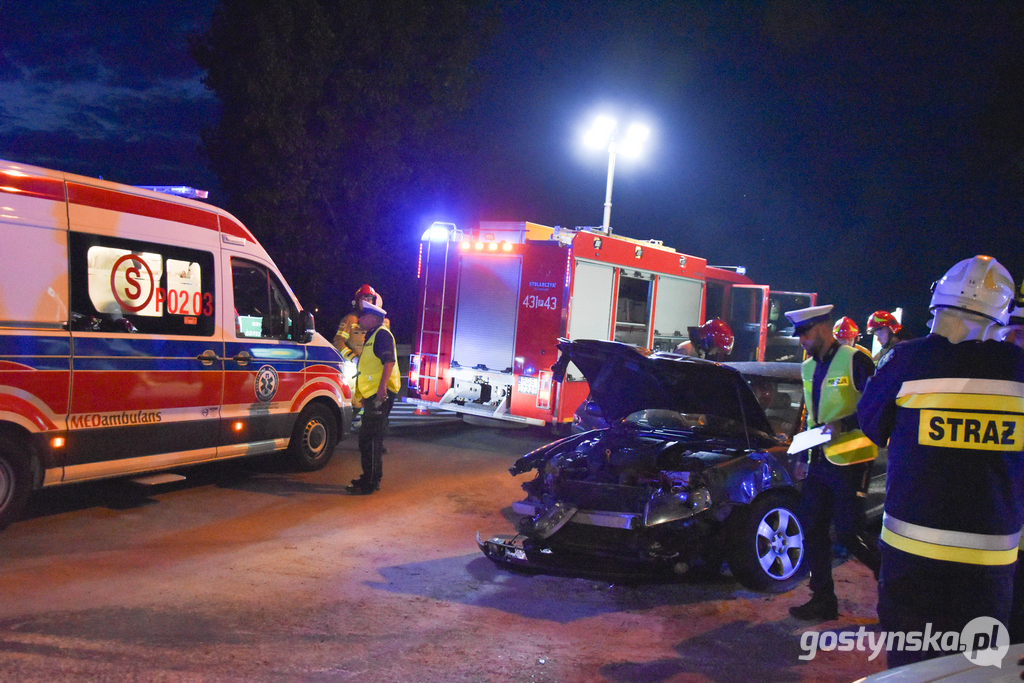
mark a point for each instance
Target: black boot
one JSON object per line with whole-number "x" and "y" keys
{"x": 820, "y": 607}
{"x": 362, "y": 487}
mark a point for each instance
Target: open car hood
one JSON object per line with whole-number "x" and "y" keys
{"x": 623, "y": 380}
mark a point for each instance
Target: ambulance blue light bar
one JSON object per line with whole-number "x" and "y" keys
{"x": 177, "y": 190}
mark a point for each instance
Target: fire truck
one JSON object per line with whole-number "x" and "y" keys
{"x": 494, "y": 301}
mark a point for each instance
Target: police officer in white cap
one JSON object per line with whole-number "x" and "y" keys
{"x": 834, "y": 377}
{"x": 377, "y": 384}
{"x": 951, "y": 407}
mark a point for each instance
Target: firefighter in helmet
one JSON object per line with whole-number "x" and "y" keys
{"x": 712, "y": 340}
{"x": 949, "y": 407}
{"x": 887, "y": 331}
{"x": 846, "y": 332}
{"x": 350, "y": 336}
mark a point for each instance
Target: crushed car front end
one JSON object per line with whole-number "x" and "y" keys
{"x": 659, "y": 488}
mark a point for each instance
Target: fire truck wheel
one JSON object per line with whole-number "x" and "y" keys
{"x": 15, "y": 482}
{"x": 314, "y": 438}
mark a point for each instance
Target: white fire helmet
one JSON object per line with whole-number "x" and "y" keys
{"x": 979, "y": 285}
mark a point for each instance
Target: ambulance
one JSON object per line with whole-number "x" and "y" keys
{"x": 141, "y": 331}
{"x": 493, "y": 302}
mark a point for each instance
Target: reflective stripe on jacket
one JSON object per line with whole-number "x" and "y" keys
{"x": 838, "y": 399}
{"x": 350, "y": 337}
{"x": 953, "y": 418}
{"x": 951, "y": 546}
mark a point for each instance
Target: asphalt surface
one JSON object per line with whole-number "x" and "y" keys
{"x": 248, "y": 572}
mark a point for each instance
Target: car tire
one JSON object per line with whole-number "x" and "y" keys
{"x": 313, "y": 439}
{"x": 15, "y": 482}
{"x": 766, "y": 543}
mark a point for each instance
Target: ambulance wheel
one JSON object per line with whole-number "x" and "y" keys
{"x": 766, "y": 543}
{"x": 15, "y": 482}
{"x": 314, "y": 438}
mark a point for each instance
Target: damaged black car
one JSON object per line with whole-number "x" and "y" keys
{"x": 689, "y": 475}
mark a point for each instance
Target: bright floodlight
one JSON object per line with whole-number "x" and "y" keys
{"x": 636, "y": 135}
{"x": 600, "y": 133}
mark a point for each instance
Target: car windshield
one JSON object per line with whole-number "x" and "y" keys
{"x": 701, "y": 423}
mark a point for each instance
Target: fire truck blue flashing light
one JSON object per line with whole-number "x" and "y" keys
{"x": 439, "y": 232}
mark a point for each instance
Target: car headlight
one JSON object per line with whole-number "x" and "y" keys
{"x": 551, "y": 520}
{"x": 670, "y": 507}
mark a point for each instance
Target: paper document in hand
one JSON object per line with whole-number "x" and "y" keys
{"x": 809, "y": 439}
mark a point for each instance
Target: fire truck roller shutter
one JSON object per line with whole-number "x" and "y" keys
{"x": 678, "y": 307}
{"x": 485, "y": 327}
{"x": 591, "y": 315}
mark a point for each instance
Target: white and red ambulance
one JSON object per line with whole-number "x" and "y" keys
{"x": 140, "y": 332}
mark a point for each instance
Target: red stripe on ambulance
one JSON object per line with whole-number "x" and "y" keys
{"x": 12, "y": 182}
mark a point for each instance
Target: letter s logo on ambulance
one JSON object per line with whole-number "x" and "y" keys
{"x": 266, "y": 383}
{"x": 129, "y": 295}
{"x": 981, "y": 431}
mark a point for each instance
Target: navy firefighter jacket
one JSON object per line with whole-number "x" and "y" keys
{"x": 955, "y": 477}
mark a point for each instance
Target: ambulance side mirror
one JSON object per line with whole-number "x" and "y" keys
{"x": 303, "y": 328}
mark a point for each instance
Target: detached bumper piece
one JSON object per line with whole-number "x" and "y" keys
{"x": 523, "y": 553}
{"x": 505, "y": 549}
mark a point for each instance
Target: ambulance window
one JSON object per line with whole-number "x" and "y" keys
{"x": 263, "y": 309}
{"x": 123, "y": 285}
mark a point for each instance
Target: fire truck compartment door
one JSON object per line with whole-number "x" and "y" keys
{"x": 592, "y": 290}
{"x": 485, "y": 318}
{"x": 748, "y": 319}
{"x": 678, "y": 307}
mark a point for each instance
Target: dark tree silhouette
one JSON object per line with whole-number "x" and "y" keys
{"x": 338, "y": 118}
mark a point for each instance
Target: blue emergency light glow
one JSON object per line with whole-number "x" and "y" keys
{"x": 177, "y": 190}
{"x": 438, "y": 232}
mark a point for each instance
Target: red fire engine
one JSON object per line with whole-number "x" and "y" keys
{"x": 492, "y": 304}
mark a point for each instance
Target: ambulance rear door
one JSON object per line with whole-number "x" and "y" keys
{"x": 35, "y": 346}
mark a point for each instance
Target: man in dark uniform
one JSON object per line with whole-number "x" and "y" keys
{"x": 1014, "y": 334}
{"x": 834, "y": 377}
{"x": 951, "y": 407}
{"x": 377, "y": 384}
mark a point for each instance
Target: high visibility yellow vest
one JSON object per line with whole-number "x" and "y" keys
{"x": 371, "y": 368}
{"x": 838, "y": 399}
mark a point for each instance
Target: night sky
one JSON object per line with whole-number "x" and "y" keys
{"x": 854, "y": 149}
